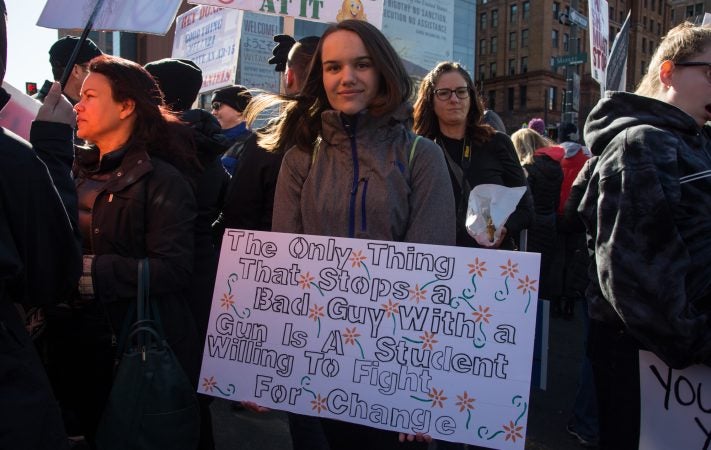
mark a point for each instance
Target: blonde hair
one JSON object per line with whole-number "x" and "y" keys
{"x": 526, "y": 141}
{"x": 681, "y": 43}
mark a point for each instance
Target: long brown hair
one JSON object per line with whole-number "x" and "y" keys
{"x": 157, "y": 130}
{"x": 426, "y": 122}
{"x": 300, "y": 121}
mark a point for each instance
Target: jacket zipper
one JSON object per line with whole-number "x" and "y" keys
{"x": 363, "y": 221}
{"x": 350, "y": 130}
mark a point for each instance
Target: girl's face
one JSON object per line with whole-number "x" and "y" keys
{"x": 451, "y": 111}
{"x": 98, "y": 114}
{"x": 690, "y": 87}
{"x": 350, "y": 79}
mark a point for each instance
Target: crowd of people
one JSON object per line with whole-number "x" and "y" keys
{"x": 123, "y": 168}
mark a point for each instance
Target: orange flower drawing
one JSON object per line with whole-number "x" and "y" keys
{"x": 482, "y": 314}
{"x": 357, "y": 258}
{"x": 227, "y": 301}
{"x": 513, "y": 432}
{"x": 417, "y": 294}
{"x": 428, "y": 340}
{"x": 390, "y": 308}
{"x": 315, "y": 312}
{"x": 478, "y": 267}
{"x": 510, "y": 269}
{"x": 305, "y": 280}
{"x": 437, "y": 397}
{"x": 465, "y": 402}
{"x": 350, "y": 336}
{"x": 319, "y": 403}
{"x": 209, "y": 383}
{"x": 527, "y": 284}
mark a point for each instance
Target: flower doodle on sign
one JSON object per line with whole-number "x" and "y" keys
{"x": 437, "y": 397}
{"x": 527, "y": 286}
{"x": 390, "y": 310}
{"x": 417, "y": 294}
{"x": 208, "y": 384}
{"x": 315, "y": 313}
{"x": 476, "y": 269}
{"x": 351, "y": 337}
{"x": 465, "y": 404}
{"x": 305, "y": 383}
{"x": 306, "y": 281}
{"x": 357, "y": 261}
{"x": 513, "y": 431}
{"x": 319, "y": 403}
{"x": 428, "y": 340}
{"x": 481, "y": 316}
{"x": 510, "y": 269}
{"x": 227, "y": 301}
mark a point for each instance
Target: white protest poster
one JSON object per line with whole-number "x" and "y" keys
{"x": 676, "y": 410}
{"x": 138, "y": 16}
{"x": 19, "y": 112}
{"x": 209, "y": 36}
{"x": 326, "y": 11}
{"x": 421, "y": 31}
{"x": 397, "y": 336}
{"x": 599, "y": 37}
{"x": 255, "y": 50}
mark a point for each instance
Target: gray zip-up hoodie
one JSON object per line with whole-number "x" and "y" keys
{"x": 648, "y": 209}
{"x": 364, "y": 182}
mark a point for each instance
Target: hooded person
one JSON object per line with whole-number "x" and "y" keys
{"x": 538, "y": 125}
{"x": 228, "y": 105}
{"x": 59, "y": 54}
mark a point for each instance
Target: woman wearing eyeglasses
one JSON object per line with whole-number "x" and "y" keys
{"x": 449, "y": 112}
{"x": 648, "y": 208}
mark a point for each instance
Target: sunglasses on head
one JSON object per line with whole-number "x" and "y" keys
{"x": 216, "y": 105}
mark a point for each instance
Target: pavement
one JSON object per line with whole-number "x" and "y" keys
{"x": 547, "y": 417}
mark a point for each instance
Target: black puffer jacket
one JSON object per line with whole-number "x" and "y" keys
{"x": 647, "y": 207}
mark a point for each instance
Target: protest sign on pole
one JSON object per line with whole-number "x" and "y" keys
{"x": 327, "y": 11}
{"x": 399, "y": 336}
{"x": 209, "y": 36}
{"x": 616, "y": 78}
{"x": 421, "y": 31}
{"x": 138, "y": 16}
{"x": 255, "y": 50}
{"x": 675, "y": 407}
{"x": 599, "y": 36}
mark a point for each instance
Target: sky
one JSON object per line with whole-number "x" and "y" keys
{"x": 27, "y": 44}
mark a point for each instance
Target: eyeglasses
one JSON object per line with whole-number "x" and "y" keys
{"x": 216, "y": 105}
{"x": 697, "y": 64}
{"x": 445, "y": 94}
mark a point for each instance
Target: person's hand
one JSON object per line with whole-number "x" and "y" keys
{"x": 499, "y": 241}
{"x": 56, "y": 108}
{"x": 255, "y": 407}
{"x": 419, "y": 437}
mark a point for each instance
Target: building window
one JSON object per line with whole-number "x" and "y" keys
{"x": 524, "y": 64}
{"x": 522, "y": 97}
{"x": 622, "y": 16}
{"x": 612, "y": 34}
{"x": 482, "y": 21}
{"x": 659, "y": 29}
{"x": 512, "y": 67}
{"x": 482, "y": 74}
{"x": 512, "y": 40}
{"x": 526, "y": 9}
{"x": 494, "y": 18}
{"x": 651, "y": 25}
{"x": 494, "y": 45}
{"x": 690, "y": 11}
{"x": 524, "y": 38}
{"x": 643, "y": 67}
{"x": 566, "y": 41}
{"x": 554, "y": 38}
{"x": 644, "y": 23}
{"x": 653, "y": 4}
{"x": 482, "y": 47}
{"x": 513, "y": 14}
{"x": 552, "y": 98}
{"x": 644, "y": 45}
{"x": 611, "y": 14}
{"x": 699, "y": 9}
{"x": 646, "y": 5}
{"x": 510, "y": 98}
{"x": 556, "y": 10}
{"x": 492, "y": 70}
{"x": 492, "y": 100}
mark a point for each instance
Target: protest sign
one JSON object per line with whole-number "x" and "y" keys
{"x": 209, "y": 36}
{"x": 422, "y": 31}
{"x": 327, "y": 11}
{"x": 19, "y": 112}
{"x": 138, "y": 16}
{"x": 616, "y": 78}
{"x": 676, "y": 410}
{"x": 256, "y": 46}
{"x": 398, "y": 336}
{"x": 599, "y": 36}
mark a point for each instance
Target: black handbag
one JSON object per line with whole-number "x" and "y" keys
{"x": 152, "y": 404}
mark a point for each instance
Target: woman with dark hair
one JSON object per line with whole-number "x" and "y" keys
{"x": 448, "y": 110}
{"x": 133, "y": 204}
{"x": 356, "y": 169}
